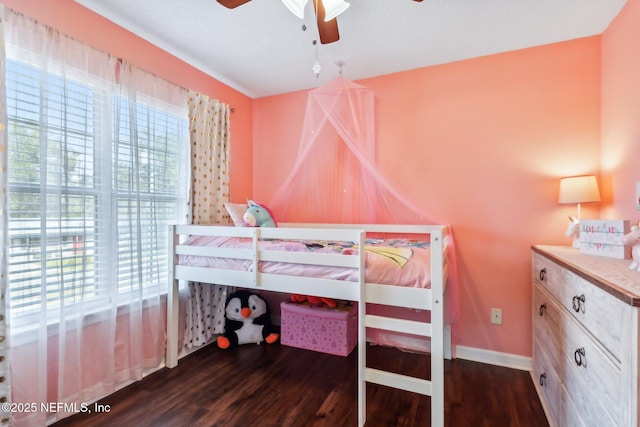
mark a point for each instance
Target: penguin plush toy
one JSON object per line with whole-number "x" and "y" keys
{"x": 247, "y": 320}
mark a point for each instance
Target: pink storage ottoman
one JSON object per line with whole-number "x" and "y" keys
{"x": 324, "y": 329}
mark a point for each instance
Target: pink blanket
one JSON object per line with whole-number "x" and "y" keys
{"x": 393, "y": 262}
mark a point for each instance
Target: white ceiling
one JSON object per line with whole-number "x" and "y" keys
{"x": 260, "y": 48}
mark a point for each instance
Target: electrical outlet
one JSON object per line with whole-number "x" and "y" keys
{"x": 496, "y": 316}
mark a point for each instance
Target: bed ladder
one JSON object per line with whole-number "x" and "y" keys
{"x": 433, "y": 330}
{"x": 433, "y": 387}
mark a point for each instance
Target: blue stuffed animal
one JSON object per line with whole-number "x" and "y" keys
{"x": 258, "y": 215}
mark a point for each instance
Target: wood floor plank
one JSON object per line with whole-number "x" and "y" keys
{"x": 275, "y": 385}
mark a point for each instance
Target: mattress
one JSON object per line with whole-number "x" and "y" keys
{"x": 399, "y": 262}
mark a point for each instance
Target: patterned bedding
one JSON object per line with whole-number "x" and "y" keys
{"x": 399, "y": 262}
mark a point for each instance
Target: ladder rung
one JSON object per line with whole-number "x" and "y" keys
{"x": 398, "y": 325}
{"x": 410, "y": 297}
{"x": 404, "y": 382}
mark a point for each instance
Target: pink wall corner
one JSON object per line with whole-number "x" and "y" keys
{"x": 621, "y": 113}
{"x": 83, "y": 24}
{"x": 277, "y": 129}
{"x": 480, "y": 143}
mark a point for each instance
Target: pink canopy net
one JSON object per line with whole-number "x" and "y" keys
{"x": 335, "y": 180}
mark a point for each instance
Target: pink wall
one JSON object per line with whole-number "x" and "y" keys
{"x": 481, "y": 144}
{"x": 79, "y": 22}
{"x": 621, "y": 113}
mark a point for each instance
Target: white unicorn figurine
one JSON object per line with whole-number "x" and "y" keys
{"x": 573, "y": 230}
{"x": 633, "y": 238}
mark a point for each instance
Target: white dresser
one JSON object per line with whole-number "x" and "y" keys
{"x": 585, "y": 337}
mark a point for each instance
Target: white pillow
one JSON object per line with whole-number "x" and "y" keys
{"x": 236, "y": 212}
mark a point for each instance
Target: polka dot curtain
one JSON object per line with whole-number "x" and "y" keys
{"x": 5, "y": 386}
{"x": 209, "y": 138}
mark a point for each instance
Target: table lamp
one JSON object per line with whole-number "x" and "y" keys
{"x": 577, "y": 189}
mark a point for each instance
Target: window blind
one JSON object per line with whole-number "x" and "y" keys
{"x": 93, "y": 183}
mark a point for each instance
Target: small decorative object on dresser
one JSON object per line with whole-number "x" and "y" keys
{"x": 603, "y": 237}
{"x": 585, "y": 338}
{"x": 573, "y": 230}
{"x": 633, "y": 239}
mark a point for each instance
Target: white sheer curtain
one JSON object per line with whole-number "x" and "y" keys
{"x": 209, "y": 140}
{"x": 5, "y": 384}
{"x": 93, "y": 177}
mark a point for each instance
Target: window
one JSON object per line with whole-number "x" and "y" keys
{"x": 93, "y": 185}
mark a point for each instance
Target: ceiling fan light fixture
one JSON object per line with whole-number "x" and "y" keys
{"x": 316, "y": 68}
{"x": 296, "y": 7}
{"x": 333, "y": 8}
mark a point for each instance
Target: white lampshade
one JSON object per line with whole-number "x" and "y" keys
{"x": 296, "y": 7}
{"x": 579, "y": 189}
{"x": 333, "y": 8}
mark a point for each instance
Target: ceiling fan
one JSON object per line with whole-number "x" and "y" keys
{"x": 327, "y": 11}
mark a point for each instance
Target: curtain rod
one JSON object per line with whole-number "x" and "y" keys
{"x": 121, "y": 61}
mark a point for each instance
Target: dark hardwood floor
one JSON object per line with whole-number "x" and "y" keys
{"x": 275, "y": 385}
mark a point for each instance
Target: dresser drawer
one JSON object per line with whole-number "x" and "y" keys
{"x": 598, "y": 311}
{"x": 556, "y": 401}
{"x": 589, "y": 375}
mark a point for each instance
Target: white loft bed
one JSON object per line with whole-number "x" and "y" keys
{"x": 354, "y": 289}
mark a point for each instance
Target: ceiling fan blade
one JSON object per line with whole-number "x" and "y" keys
{"x": 232, "y": 4}
{"x": 328, "y": 30}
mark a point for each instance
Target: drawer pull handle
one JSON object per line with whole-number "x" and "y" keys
{"x": 543, "y": 274}
{"x": 543, "y": 379}
{"x": 577, "y": 303}
{"x": 543, "y": 307}
{"x": 580, "y": 357}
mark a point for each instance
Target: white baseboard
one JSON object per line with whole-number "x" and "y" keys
{"x": 474, "y": 354}
{"x": 491, "y": 357}
{"x": 494, "y": 358}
